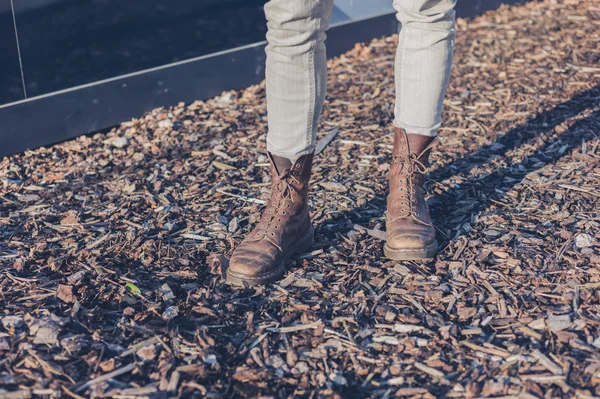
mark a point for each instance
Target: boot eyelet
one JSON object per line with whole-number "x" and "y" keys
{"x": 272, "y": 234}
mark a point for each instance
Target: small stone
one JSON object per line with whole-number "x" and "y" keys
{"x": 47, "y": 334}
{"x": 128, "y": 311}
{"x": 338, "y": 379}
{"x": 583, "y": 240}
{"x": 45, "y": 330}
{"x": 395, "y": 381}
{"x": 558, "y": 323}
{"x": 210, "y": 359}
{"x": 165, "y": 124}
{"x": 115, "y": 348}
{"x": 233, "y": 225}
{"x": 74, "y": 344}
{"x": 6, "y": 379}
{"x": 170, "y": 313}
{"x": 403, "y": 270}
{"x": 225, "y": 99}
{"x": 166, "y": 292}
{"x": 119, "y": 142}
{"x": 76, "y": 277}
{"x": 12, "y": 322}
{"x": 353, "y": 235}
{"x": 300, "y": 368}
{"x": 277, "y": 362}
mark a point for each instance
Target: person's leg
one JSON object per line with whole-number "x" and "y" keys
{"x": 423, "y": 63}
{"x": 296, "y": 83}
{"x": 296, "y": 73}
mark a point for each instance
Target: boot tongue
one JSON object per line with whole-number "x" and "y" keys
{"x": 281, "y": 164}
{"x": 417, "y": 143}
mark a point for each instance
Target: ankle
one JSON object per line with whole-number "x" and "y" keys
{"x": 419, "y": 142}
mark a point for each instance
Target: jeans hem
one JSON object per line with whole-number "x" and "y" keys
{"x": 424, "y": 131}
{"x": 292, "y": 156}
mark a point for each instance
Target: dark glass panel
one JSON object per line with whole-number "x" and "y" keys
{"x": 11, "y": 85}
{"x": 66, "y": 43}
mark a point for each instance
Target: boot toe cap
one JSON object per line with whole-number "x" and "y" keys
{"x": 409, "y": 241}
{"x": 255, "y": 263}
{"x": 411, "y": 238}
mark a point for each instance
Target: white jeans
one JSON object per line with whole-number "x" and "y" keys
{"x": 296, "y": 70}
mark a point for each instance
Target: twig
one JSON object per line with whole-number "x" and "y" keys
{"x": 301, "y": 327}
{"x": 324, "y": 142}
{"x": 105, "y": 377}
{"x": 429, "y": 370}
{"x": 246, "y": 199}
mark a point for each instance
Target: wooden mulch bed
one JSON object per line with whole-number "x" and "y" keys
{"x": 112, "y": 246}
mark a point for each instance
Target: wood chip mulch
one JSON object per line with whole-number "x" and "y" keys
{"x": 112, "y": 246}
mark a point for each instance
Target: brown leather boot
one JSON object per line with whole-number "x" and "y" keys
{"x": 284, "y": 228}
{"x": 410, "y": 233}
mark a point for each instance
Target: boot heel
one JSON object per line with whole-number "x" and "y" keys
{"x": 306, "y": 242}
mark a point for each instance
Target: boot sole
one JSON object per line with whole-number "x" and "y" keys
{"x": 303, "y": 245}
{"x": 426, "y": 252}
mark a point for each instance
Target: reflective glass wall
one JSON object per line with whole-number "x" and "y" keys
{"x": 66, "y": 43}
{"x": 11, "y": 87}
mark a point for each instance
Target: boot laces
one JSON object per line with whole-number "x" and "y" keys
{"x": 410, "y": 169}
{"x": 281, "y": 198}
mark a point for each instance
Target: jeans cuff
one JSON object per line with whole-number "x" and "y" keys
{"x": 292, "y": 156}
{"x": 424, "y": 131}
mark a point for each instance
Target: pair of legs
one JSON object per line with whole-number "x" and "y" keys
{"x": 296, "y": 68}
{"x": 296, "y": 83}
